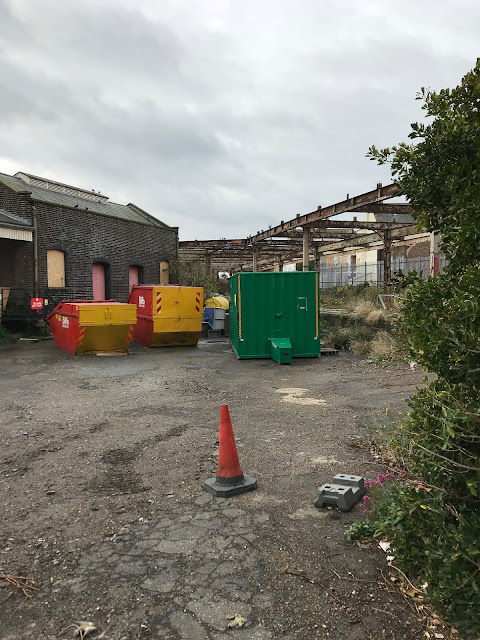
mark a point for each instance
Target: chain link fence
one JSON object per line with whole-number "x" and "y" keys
{"x": 371, "y": 272}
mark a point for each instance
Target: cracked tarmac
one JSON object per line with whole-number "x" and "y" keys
{"x": 101, "y": 470}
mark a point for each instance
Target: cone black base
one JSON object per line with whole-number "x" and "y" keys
{"x": 226, "y": 490}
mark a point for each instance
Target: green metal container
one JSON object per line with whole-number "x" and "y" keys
{"x": 275, "y": 315}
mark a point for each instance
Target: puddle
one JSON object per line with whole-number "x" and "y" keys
{"x": 295, "y": 396}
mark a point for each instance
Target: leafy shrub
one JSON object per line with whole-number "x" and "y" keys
{"x": 435, "y": 533}
{"x": 441, "y": 320}
{"x": 194, "y": 273}
{"x": 434, "y": 544}
{"x": 442, "y": 435}
{"x": 343, "y": 338}
{"x": 5, "y": 337}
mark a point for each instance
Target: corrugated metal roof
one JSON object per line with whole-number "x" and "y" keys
{"x": 103, "y": 207}
{"x": 16, "y": 233}
{"x": 60, "y": 187}
{"x": 10, "y": 220}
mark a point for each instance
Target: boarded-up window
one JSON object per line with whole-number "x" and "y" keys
{"x": 164, "y": 273}
{"x": 55, "y": 268}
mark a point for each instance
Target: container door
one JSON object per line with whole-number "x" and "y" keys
{"x": 181, "y": 302}
{"x": 98, "y": 280}
{"x": 132, "y": 276}
{"x": 305, "y": 337}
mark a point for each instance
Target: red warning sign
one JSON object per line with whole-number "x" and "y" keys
{"x": 36, "y": 303}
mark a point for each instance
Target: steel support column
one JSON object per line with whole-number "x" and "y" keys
{"x": 306, "y": 249}
{"x": 387, "y": 259}
{"x": 208, "y": 262}
{"x": 255, "y": 258}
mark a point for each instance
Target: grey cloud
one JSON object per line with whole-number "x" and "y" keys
{"x": 221, "y": 119}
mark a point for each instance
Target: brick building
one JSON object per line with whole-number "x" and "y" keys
{"x": 59, "y": 241}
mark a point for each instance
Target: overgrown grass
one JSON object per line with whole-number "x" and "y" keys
{"x": 348, "y": 296}
{"x": 343, "y": 338}
{"x": 367, "y": 328}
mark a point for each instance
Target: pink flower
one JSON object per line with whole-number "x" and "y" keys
{"x": 422, "y": 486}
{"x": 402, "y": 473}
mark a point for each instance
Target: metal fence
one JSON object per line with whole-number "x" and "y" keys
{"x": 371, "y": 272}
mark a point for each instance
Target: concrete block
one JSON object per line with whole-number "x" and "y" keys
{"x": 350, "y": 481}
{"x": 336, "y": 495}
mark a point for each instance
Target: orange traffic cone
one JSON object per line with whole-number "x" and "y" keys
{"x": 230, "y": 479}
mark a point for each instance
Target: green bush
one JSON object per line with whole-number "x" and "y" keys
{"x": 435, "y": 534}
{"x": 5, "y": 337}
{"x": 443, "y": 439}
{"x": 194, "y": 273}
{"x": 441, "y": 321}
{"x": 435, "y": 545}
{"x": 342, "y": 338}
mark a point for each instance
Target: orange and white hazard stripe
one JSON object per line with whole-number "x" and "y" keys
{"x": 81, "y": 335}
{"x": 197, "y": 301}
{"x": 239, "y": 309}
{"x": 129, "y": 334}
{"x": 159, "y": 301}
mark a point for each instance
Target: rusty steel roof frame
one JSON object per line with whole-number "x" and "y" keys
{"x": 345, "y": 206}
{"x": 286, "y": 241}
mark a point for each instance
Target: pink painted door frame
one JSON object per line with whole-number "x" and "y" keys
{"x": 132, "y": 276}
{"x": 98, "y": 280}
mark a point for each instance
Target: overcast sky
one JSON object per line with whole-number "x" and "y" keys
{"x": 221, "y": 116}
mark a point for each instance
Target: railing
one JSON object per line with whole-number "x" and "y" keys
{"x": 16, "y": 311}
{"x": 371, "y": 272}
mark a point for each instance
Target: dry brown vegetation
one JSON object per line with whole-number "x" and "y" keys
{"x": 366, "y": 328}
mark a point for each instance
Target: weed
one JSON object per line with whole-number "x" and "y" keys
{"x": 384, "y": 346}
{"x": 5, "y": 337}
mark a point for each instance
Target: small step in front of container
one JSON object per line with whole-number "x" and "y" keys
{"x": 281, "y": 350}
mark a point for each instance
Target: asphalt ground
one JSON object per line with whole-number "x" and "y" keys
{"x": 102, "y": 461}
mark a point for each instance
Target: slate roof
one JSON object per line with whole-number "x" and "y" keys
{"x": 101, "y": 206}
{"x": 10, "y": 220}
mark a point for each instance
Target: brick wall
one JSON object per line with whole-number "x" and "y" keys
{"x": 86, "y": 238}
{"x": 19, "y": 204}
